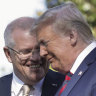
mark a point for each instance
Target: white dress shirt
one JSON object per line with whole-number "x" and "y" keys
{"x": 82, "y": 56}
{"x": 17, "y": 84}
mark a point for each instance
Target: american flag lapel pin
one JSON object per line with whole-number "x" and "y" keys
{"x": 80, "y": 73}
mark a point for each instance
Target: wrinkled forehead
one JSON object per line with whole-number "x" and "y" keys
{"x": 23, "y": 38}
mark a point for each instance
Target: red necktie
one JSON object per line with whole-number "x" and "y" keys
{"x": 67, "y": 78}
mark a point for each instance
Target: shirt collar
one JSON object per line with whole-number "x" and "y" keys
{"x": 38, "y": 86}
{"x": 82, "y": 56}
{"x": 17, "y": 84}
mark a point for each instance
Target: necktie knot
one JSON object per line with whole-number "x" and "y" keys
{"x": 27, "y": 89}
{"x": 67, "y": 78}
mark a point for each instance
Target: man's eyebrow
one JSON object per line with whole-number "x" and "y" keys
{"x": 42, "y": 42}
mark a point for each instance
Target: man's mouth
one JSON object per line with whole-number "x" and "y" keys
{"x": 34, "y": 66}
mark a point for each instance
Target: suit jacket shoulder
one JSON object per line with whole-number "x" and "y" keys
{"x": 53, "y": 81}
{"x": 5, "y": 85}
{"x": 83, "y": 82}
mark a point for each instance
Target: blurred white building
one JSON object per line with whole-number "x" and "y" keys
{"x": 10, "y": 10}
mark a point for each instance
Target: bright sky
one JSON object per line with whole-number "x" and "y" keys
{"x": 10, "y": 10}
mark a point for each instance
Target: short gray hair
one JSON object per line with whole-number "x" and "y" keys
{"x": 23, "y": 23}
{"x": 63, "y": 18}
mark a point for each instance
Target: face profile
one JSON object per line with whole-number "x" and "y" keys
{"x": 52, "y": 46}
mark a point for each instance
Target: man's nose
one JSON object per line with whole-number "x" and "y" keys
{"x": 43, "y": 51}
{"x": 35, "y": 55}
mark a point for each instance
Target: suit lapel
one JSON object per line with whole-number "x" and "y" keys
{"x": 49, "y": 88}
{"x": 52, "y": 82}
{"x": 80, "y": 72}
{"x": 74, "y": 80}
{"x": 5, "y": 84}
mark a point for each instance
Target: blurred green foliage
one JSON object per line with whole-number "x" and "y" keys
{"x": 87, "y": 7}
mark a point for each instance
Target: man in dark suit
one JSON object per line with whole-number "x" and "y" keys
{"x": 66, "y": 41}
{"x": 52, "y": 82}
{"x": 29, "y": 69}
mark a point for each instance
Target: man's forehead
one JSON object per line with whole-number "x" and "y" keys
{"x": 46, "y": 36}
{"x": 44, "y": 33}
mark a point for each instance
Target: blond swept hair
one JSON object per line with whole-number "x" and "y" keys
{"x": 63, "y": 19}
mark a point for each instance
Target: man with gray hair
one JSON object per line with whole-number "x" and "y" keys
{"x": 66, "y": 41}
{"x": 29, "y": 77}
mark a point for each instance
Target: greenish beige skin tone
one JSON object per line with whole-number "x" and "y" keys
{"x": 23, "y": 70}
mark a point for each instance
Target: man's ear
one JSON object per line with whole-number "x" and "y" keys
{"x": 7, "y": 53}
{"x": 73, "y": 37}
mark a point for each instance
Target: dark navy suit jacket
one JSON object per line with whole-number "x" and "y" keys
{"x": 52, "y": 82}
{"x": 83, "y": 82}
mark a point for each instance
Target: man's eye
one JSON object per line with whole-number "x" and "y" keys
{"x": 45, "y": 43}
{"x": 26, "y": 51}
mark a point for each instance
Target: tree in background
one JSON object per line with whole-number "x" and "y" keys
{"x": 87, "y": 7}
